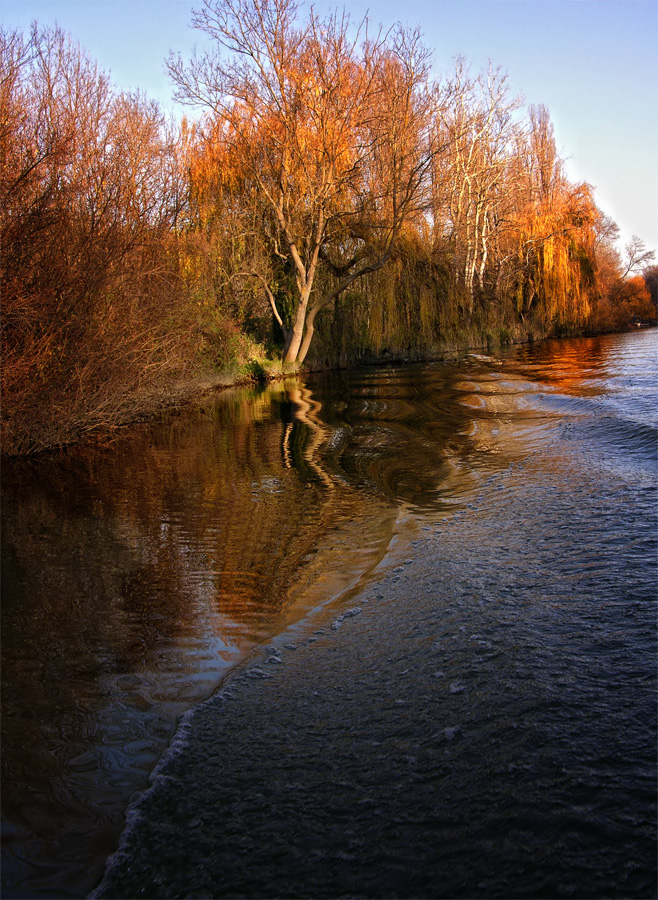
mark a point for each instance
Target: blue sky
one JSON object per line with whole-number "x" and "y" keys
{"x": 593, "y": 63}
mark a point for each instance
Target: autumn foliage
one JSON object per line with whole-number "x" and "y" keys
{"x": 90, "y": 194}
{"x": 327, "y": 200}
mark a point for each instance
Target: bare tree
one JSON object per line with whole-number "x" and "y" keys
{"x": 479, "y": 128}
{"x": 323, "y": 126}
{"x": 637, "y": 256}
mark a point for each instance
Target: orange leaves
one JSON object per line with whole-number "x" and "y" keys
{"x": 314, "y": 142}
{"x": 91, "y": 190}
{"x": 582, "y": 212}
{"x": 638, "y": 290}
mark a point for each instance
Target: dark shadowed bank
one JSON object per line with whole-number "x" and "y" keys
{"x": 475, "y": 723}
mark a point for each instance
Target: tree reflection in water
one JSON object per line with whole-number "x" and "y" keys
{"x": 137, "y": 572}
{"x": 134, "y": 575}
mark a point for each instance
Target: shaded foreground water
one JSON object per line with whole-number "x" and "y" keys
{"x": 494, "y": 699}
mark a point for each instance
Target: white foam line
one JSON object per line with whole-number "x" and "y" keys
{"x": 180, "y": 738}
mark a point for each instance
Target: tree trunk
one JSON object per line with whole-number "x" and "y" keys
{"x": 291, "y": 349}
{"x": 308, "y": 334}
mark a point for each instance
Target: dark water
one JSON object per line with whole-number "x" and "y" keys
{"x": 136, "y": 574}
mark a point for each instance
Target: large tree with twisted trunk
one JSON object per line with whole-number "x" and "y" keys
{"x": 327, "y": 130}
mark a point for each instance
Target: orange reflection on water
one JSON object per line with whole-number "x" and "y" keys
{"x": 133, "y": 577}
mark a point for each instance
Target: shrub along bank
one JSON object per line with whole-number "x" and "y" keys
{"x": 330, "y": 206}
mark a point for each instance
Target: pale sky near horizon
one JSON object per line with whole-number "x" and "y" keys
{"x": 593, "y": 63}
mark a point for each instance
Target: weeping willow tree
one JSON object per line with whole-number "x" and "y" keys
{"x": 550, "y": 264}
{"x": 329, "y": 129}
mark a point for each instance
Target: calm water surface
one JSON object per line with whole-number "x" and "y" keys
{"x": 136, "y": 574}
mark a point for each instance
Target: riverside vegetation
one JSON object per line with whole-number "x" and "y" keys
{"x": 328, "y": 202}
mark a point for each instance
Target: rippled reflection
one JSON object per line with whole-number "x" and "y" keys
{"x": 136, "y": 573}
{"x": 133, "y": 576}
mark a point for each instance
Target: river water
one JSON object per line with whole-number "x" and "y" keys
{"x": 521, "y": 491}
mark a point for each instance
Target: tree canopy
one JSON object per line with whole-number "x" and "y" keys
{"x": 331, "y": 198}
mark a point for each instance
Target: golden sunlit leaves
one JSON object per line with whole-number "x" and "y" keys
{"x": 318, "y": 137}
{"x": 90, "y": 194}
{"x": 326, "y": 171}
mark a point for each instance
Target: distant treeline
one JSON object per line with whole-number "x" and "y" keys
{"x": 328, "y": 202}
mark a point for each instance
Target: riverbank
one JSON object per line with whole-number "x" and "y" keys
{"x": 30, "y": 438}
{"x": 477, "y": 722}
{"x": 149, "y": 404}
